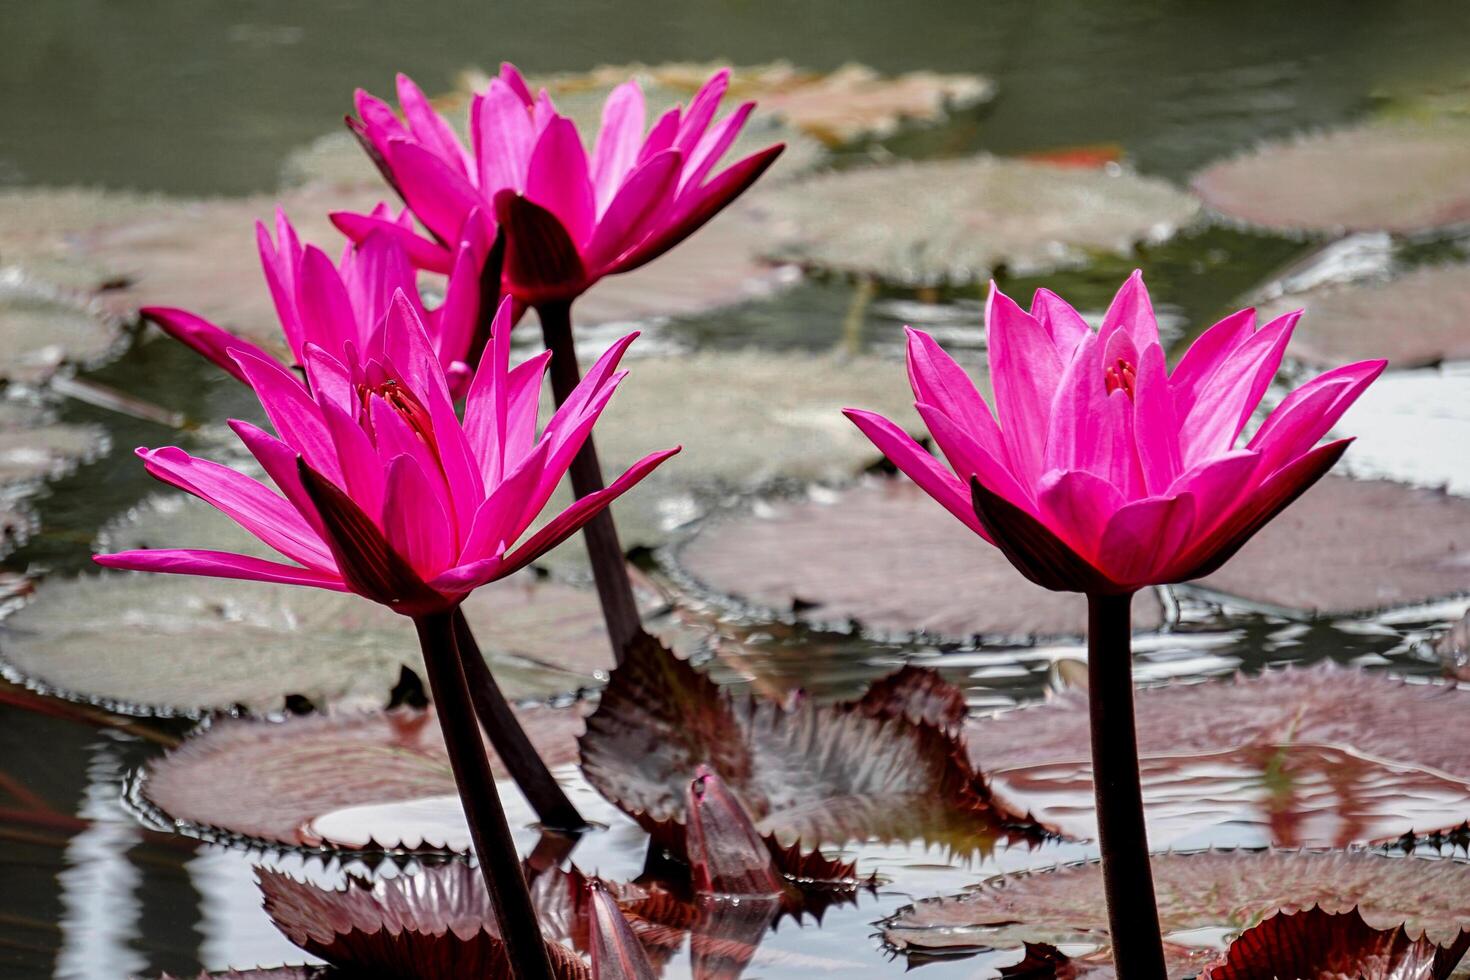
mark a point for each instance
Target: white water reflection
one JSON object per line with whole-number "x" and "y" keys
{"x": 1414, "y": 427}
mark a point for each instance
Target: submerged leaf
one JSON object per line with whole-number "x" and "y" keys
{"x": 1317, "y": 945}
{"x": 1387, "y": 176}
{"x": 1202, "y": 898}
{"x": 954, "y": 222}
{"x": 809, "y": 773}
{"x": 427, "y": 926}
{"x": 1326, "y": 756}
{"x": 274, "y": 781}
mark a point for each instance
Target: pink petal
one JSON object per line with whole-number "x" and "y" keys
{"x": 712, "y": 147}
{"x": 503, "y": 138}
{"x": 1206, "y": 354}
{"x": 204, "y": 337}
{"x": 635, "y": 211}
{"x": 506, "y": 513}
{"x": 1145, "y": 537}
{"x": 1226, "y": 403}
{"x": 363, "y": 474}
{"x": 485, "y": 405}
{"x": 413, "y": 521}
{"x": 1064, "y": 324}
{"x": 1025, "y": 373}
{"x": 512, "y": 77}
{"x": 937, "y": 380}
{"x": 291, "y": 411}
{"x": 440, "y": 197}
{"x": 279, "y": 462}
{"x": 1076, "y": 506}
{"x": 373, "y": 270}
{"x": 280, "y": 278}
{"x": 968, "y": 459}
{"x": 661, "y": 136}
{"x": 702, "y": 110}
{"x": 428, "y": 127}
{"x": 423, "y": 253}
{"x": 1309, "y": 413}
{"x": 558, "y": 179}
{"x": 327, "y": 317}
{"x": 218, "y": 564}
{"x": 1132, "y": 312}
{"x": 1155, "y": 427}
{"x": 618, "y": 141}
{"x": 919, "y": 466}
{"x": 1217, "y": 484}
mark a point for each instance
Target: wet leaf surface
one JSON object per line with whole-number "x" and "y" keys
{"x": 882, "y": 555}
{"x": 1320, "y": 757}
{"x": 33, "y": 447}
{"x": 957, "y": 221}
{"x": 1415, "y": 320}
{"x": 1388, "y": 176}
{"x": 1204, "y": 900}
{"x": 44, "y": 327}
{"x": 1315, "y": 945}
{"x": 421, "y": 927}
{"x": 804, "y": 772}
{"x": 272, "y": 780}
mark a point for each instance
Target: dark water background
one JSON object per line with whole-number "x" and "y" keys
{"x": 199, "y": 98}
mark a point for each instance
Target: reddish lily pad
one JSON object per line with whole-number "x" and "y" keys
{"x": 871, "y": 556}
{"x": 1326, "y": 756}
{"x": 419, "y": 927}
{"x": 271, "y": 780}
{"x": 809, "y": 773}
{"x": 1203, "y": 900}
{"x": 44, "y": 327}
{"x": 955, "y": 222}
{"x": 1312, "y": 944}
{"x": 1416, "y": 320}
{"x": 1378, "y": 176}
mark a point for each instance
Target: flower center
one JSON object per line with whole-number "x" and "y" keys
{"x": 403, "y": 402}
{"x": 1121, "y": 374}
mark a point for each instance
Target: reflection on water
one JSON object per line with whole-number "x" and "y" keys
{"x": 208, "y": 96}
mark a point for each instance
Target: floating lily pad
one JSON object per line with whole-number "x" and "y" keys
{"x": 43, "y": 327}
{"x": 1413, "y": 426}
{"x": 430, "y": 926}
{"x": 1321, "y": 757}
{"x": 958, "y": 221}
{"x": 173, "y": 644}
{"x": 872, "y": 556}
{"x": 1317, "y": 945}
{"x": 805, "y": 772}
{"x": 271, "y": 780}
{"x": 1203, "y": 900}
{"x": 1354, "y": 546}
{"x": 32, "y": 447}
{"x": 1418, "y": 319}
{"x": 1378, "y": 176}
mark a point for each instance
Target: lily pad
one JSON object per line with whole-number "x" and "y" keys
{"x": 271, "y": 781}
{"x": 804, "y": 772}
{"x": 1203, "y": 900}
{"x": 1398, "y": 176}
{"x": 1319, "y": 757}
{"x": 1352, "y": 546}
{"x": 166, "y": 644}
{"x": 871, "y": 556}
{"x": 1317, "y": 945}
{"x": 33, "y": 447}
{"x": 425, "y": 927}
{"x": 44, "y": 327}
{"x": 955, "y": 222}
{"x": 1416, "y": 320}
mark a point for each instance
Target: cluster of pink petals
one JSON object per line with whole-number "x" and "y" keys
{"x": 1102, "y": 471}
{"x": 383, "y": 489}
{"x": 332, "y": 306}
{"x": 569, "y": 220}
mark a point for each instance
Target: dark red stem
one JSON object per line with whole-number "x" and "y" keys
{"x": 543, "y": 792}
{"x": 1133, "y": 916}
{"x": 499, "y": 863}
{"x": 609, "y": 567}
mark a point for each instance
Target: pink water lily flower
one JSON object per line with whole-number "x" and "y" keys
{"x": 332, "y": 305}
{"x": 383, "y": 489}
{"x": 1102, "y": 471}
{"x": 570, "y": 219}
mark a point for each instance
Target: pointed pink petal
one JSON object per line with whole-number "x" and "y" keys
{"x": 428, "y": 127}
{"x": 413, "y": 522}
{"x": 1132, "y": 312}
{"x": 503, "y": 138}
{"x": 1226, "y": 404}
{"x": 363, "y": 474}
{"x": 378, "y": 119}
{"x": 511, "y": 76}
{"x": 485, "y": 405}
{"x": 423, "y": 253}
{"x": 635, "y": 211}
{"x": 702, "y": 110}
{"x": 291, "y": 411}
{"x": 1064, "y": 324}
{"x": 218, "y": 564}
{"x": 917, "y": 465}
{"x": 280, "y": 278}
{"x": 968, "y": 459}
{"x": 1217, "y": 485}
{"x": 1025, "y": 373}
{"x": 1309, "y": 413}
{"x": 937, "y": 380}
{"x": 372, "y": 271}
{"x": 1206, "y": 354}
{"x": 712, "y": 147}
{"x": 1155, "y": 428}
{"x": 327, "y": 317}
{"x": 506, "y": 513}
{"x": 558, "y": 179}
{"x": 204, "y": 337}
{"x": 1077, "y": 506}
{"x": 279, "y": 462}
{"x": 1144, "y": 538}
{"x": 440, "y": 197}
{"x": 661, "y": 136}
{"x": 618, "y": 141}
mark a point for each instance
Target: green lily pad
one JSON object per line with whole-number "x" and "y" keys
{"x": 1398, "y": 176}
{"x": 1203, "y": 900}
{"x": 955, "y": 222}
{"x": 1416, "y": 320}
{"x": 1323, "y": 757}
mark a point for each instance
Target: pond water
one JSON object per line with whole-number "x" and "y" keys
{"x": 203, "y": 98}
